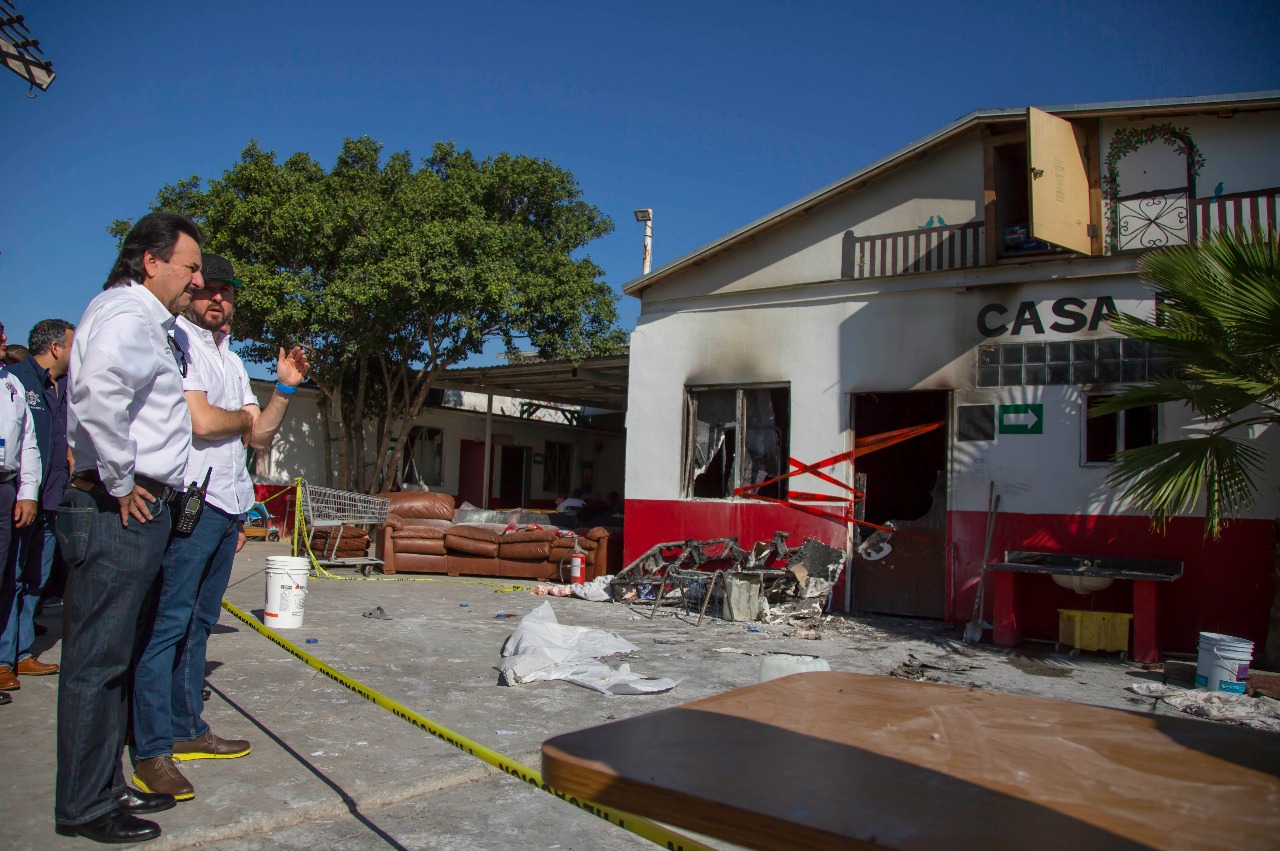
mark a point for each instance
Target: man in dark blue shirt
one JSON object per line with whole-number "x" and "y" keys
{"x": 44, "y": 376}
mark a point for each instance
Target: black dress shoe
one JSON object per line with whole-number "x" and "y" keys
{"x": 139, "y": 803}
{"x": 113, "y": 827}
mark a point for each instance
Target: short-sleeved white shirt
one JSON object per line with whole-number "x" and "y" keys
{"x": 214, "y": 369}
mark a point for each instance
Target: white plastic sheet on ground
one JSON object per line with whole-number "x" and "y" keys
{"x": 541, "y": 648}
{"x": 1261, "y": 713}
{"x": 595, "y": 591}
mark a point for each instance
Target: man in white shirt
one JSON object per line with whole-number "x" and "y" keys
{"x": 167, "y": 700}
{"x": 20, "y": 473}
{"x": 129, "y": 432}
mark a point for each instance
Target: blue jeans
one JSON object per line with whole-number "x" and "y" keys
{"x": 166, "y": 687}
{"x": 111, "y": 571}
{"x": 29, "y": 573}
{"x": 8, "y": 559}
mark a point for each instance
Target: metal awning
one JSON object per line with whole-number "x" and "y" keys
{"x": 594, "y": 383}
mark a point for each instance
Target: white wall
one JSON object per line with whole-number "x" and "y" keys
{"x": 856, "y": 341}
{"x": 1240, "y": 152}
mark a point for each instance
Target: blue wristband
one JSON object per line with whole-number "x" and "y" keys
{"x": 285, "y": 389}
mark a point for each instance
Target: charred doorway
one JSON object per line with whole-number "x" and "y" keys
{"x": 905, "y": 484}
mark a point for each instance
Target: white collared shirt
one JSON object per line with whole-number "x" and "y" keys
{"x": 19, "y": 452}
{"x": 216, "y": 371}
{"x": 126, "y": 412}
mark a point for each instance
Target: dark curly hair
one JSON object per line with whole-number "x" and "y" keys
{"x": 154, "y": 232}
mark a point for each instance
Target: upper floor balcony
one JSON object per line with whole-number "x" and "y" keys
{"x": 1142, "y": 222}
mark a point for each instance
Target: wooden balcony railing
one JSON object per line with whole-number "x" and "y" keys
{"x": 1164, "y": 218}
{"x": 920, "y": 250}
{"x": 1141, "y": 222}
{"x": 1239, "y": 211}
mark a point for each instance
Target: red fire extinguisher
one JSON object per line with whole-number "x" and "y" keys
{"x": 577, "y": 564}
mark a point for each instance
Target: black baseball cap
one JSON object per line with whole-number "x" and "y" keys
{"x": 215, "y": 268}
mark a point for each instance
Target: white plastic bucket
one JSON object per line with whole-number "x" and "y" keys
{"x": 286, "y": 591}
{"x": 781, "y": 664}
{"x": 1223, "y": 662}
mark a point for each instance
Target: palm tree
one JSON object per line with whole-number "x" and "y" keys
{"x": 1218, "y": 317}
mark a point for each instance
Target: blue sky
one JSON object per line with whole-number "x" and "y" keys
{"x": 713, "y": 114}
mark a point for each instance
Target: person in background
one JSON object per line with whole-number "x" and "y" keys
{"x": 167, "y": 699}
{"x": 44, "y": 380}
{"x": 14, "y": 354}
{"x": 129, "y": 432}
{"x": 19, "y": 490}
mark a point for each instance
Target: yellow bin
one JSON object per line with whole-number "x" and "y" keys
{"x": 1106, "y": 631}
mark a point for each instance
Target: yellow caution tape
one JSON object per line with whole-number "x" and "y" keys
{"x": 274, "y": 495}
{"x": 655, "y": 833}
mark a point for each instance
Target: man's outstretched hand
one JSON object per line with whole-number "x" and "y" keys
{"x": 292, "y": 368}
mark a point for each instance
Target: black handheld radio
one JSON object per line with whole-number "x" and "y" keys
{"x": 192, "y": 506}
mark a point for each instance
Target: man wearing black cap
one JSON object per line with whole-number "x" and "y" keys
{"x": 225, "y": 417}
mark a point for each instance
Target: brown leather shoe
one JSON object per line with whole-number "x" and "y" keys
{"x": 8, "y": 682}
{"x": 160, "y": 776}
{"x": 210, "y": 746}
{"x": 33, "y": 667}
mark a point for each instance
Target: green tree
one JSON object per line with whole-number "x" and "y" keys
{"x": 389, "y": 275}
{"x": 1218, "y": 316}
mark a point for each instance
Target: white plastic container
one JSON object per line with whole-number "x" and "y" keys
{"x": 1223, "y": 662}
{"x": 782, "y": 664}
{"x": 286, "y": 591}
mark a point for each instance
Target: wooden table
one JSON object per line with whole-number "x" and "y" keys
{"x": 839, "y": 760}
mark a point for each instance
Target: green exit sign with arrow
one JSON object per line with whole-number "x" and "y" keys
{"x": 1022, "y": 419}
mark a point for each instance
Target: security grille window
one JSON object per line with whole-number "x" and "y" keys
{"x": 556, "y": 461}
{"x": 1112, "y": 360}
{"x": 1108, "y": 434}
{"x": 423, "y": 458}
{"x": 736, "y": 437}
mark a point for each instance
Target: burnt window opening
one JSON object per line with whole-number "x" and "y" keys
{"x": 906, "y": 480}
{"x": 557, "y": 460}
{"x": 1109, "y": 434}
{"x": 736, "y": 437}
{"x": 423, "y": 460}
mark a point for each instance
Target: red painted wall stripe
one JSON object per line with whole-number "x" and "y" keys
{"x": 1227, "y": 585}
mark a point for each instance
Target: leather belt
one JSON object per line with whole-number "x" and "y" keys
{"x": 89, "y": 481}
{"x": 8, "y": 476}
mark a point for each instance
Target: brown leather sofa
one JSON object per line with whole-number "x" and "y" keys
{"x": 421, "y": 536}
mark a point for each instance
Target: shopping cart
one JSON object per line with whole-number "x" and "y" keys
{"x": 325, "y": 507}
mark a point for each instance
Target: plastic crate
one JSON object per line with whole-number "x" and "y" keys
{"x": 1105, "y": 631}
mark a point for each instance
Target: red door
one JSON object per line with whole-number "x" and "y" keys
{"x": 471, "y": 473}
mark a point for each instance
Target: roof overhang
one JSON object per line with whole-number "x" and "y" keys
{"x": 594, "y": 383}
{"x": 965, "y": 124}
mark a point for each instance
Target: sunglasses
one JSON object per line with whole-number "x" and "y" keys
{"x": 179, "y": 354}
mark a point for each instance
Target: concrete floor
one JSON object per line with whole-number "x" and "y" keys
{"x": 332, "y": 771}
